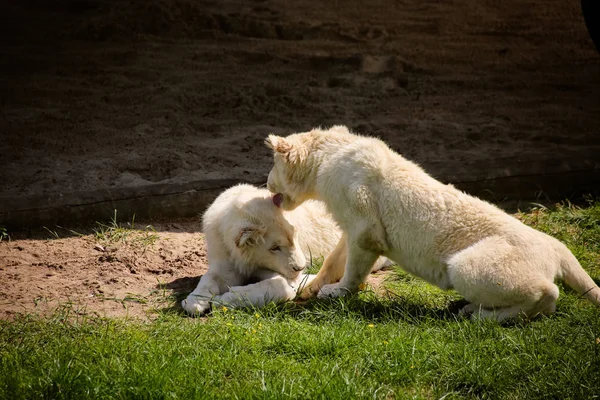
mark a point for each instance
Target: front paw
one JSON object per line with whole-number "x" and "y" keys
{"x": 194, "y": 306}
{"x": 333, "y": 290}
{"x": 308, "y": 292}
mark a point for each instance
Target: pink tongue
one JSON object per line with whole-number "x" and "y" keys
{"x": 278, "y": 199}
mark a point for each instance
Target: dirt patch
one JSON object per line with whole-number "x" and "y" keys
{"x": 139, "y": 275}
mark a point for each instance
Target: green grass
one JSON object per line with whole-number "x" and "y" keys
{"x": 408, "y": 343}
{"x": 4, "y": 234}
{"x": 115, "y": 232}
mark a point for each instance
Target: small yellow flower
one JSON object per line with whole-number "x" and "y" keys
{"x": 253, "y": 330}
{"x": 598, "y": 340}
{"x": 371, "y": 326}
{"x": 224, "y": 309}
{"x": 412, "y": 366}
{"x": 256, "y": 315}
{"x": 362, "y": 286}
{"x": 386, "y": 342}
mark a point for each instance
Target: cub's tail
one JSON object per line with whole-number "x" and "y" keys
{"x": 576, "y": 277}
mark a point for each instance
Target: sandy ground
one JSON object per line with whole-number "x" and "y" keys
{"x": 107, "y": 94}
{"x": 91, "y": 275}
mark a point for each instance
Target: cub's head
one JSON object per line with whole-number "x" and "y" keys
{"x": 292, "y": 176}
{"x": 268, "y": 240}
{"x": 295, "y": 166}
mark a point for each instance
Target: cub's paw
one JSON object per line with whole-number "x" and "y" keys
{"x": 228, "y": 299}
{"x": 333, "y": 290}
{"x": 308, "y": 292}
{"x": 194, "y": 306}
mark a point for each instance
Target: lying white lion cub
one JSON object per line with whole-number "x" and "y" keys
{"x": 387, "y": 205}
{"x": 250, "y": 239}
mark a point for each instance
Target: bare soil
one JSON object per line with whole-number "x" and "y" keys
{"x": 90, "y": 275}
{"x": 99, "y": 94}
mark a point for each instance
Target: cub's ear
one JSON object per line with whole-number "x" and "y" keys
{"x": 249, "y": 236}
{"x": 279, "y": 145}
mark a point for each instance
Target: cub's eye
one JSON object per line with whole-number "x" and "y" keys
{"x": 275, "y": 248}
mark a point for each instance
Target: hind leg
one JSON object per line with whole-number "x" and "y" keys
{"x": 501, "y": 281}
{"x": 546, "y": 305}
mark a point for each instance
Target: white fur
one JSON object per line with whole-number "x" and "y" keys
{"x": 388, "y": 205}
{"x": 241, "y": 226}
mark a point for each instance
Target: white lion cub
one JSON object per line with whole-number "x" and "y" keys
{"x": 250, "y": 239}
{"x": 387, "y": 205}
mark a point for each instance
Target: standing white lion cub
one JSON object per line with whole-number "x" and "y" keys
{"x": 387, "y": 205}
{"x": 249, "y": 238}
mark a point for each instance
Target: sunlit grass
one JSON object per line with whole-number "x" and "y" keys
{"x": 116, "y": 232}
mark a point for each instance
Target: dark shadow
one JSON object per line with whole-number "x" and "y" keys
{"x": 58, "y": 231}
{"x": 181, "y": 287}
{"x": 372, "y": 307}
{"x": 376, "y": 309}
